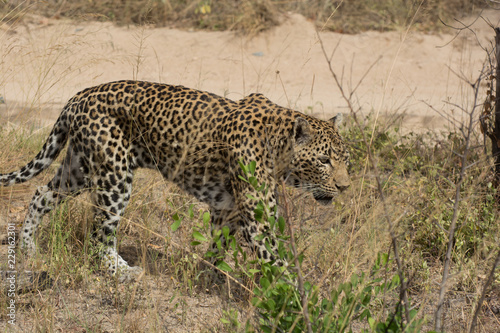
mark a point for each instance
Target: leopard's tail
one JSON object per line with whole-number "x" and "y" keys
{"x": 50, "y": 150}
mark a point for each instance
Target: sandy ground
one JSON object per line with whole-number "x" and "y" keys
{"x": 44, "y": 62}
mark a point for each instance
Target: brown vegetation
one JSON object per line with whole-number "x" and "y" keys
{"x": 252, "y": 16}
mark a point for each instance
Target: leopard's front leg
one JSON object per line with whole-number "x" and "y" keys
{"x": 257, "y": 205}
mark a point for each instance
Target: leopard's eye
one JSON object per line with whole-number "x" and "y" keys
{"x": 324, "y": 160}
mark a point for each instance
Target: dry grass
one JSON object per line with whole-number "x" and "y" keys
{"x": 177, "y": 293}
{"x": 253, "y": 16}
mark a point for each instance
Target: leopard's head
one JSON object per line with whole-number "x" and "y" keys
{"x": 320, "y": 158}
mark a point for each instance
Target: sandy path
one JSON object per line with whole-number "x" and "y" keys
{"x": 44, "y": 62}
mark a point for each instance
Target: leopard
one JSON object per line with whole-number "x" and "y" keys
{"x": 195, "y": 139}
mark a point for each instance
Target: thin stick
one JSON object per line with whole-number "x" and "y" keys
{"x": 495, "y": 139}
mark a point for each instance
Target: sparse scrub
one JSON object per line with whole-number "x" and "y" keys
{"x": 419, "y": 183}
{"x": 253, "y": 16}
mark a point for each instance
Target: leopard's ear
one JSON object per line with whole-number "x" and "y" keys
{"x": 302, "y": 131}
{"x": 337, "y": 119}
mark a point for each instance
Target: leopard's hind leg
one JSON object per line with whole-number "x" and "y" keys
{"x": 70, "y": 180}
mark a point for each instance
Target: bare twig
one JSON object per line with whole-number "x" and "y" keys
{"x": 495, "y": 149}
{"x": 460, "y": 29}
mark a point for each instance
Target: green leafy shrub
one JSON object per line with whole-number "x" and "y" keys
{"x": 277, "y": 297}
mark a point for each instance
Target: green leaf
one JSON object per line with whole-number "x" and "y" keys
{"x": 198, "y": 236}
{"x": 210, "y": 254}
{"x": 347, "y": 287}
{"x": 190, "y": 211}
{"x": 258, "y": 213}
{"x": 264, "y": 282}
{"x": 413, "y": 313}
{"x": 271, "y": 304}
{"x": 176, "y": 217}
{"x": 268, "y": 247}
{"x": 281, "y": 224}
{"x": 261, "y": 187}
{"x": 249, "y": 196}
{"x": 354, "y": 280}
{"x": 281, "y": 250}
{"x": 271, "y": 221}
{"x": 174, "y": 226}
{"x": 254, "y": 182}
{"x": 243, "y": 166}
{"x": 216, "y": 234}
{"x": 206, "y": 218}
{"x": 371, "y": 322}
{"x": 222, "y": 265}
{"x": 251, "y": 167}
{"x": 395, "y": 280}
{"x": 365, "y": 314}
{"x": 225, "y": 232}
{"x": 259, "y": 237}
{"x": 243, "y": 178}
